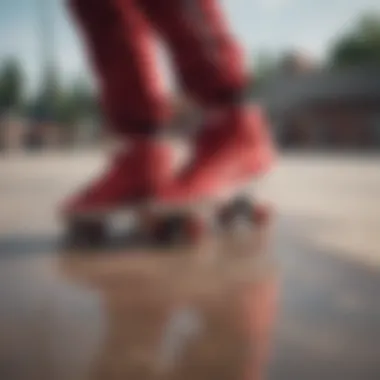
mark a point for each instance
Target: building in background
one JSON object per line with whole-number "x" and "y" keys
{"x": 315, "y": 107}
{"x": 295, "y": 63}
{"x": 13, "y": 132}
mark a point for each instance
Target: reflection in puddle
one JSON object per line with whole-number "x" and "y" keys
{"x": 217, "y": 314}
{"x": 143, "y": 316}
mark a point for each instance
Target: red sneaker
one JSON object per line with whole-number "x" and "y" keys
{"x": 235, "y": 147}
{"x": 132, "y": 177}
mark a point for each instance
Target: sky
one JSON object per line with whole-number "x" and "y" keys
{"x": 260, "y": 25}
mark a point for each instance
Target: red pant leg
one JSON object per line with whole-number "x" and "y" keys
{"x": 120, "y": 48}
{"x": 208, "y": 59}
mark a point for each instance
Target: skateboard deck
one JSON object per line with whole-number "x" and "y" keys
{"x": 174, "y": 224}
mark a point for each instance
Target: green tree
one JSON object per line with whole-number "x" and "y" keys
{"x": 361, "y": 45}
{"x": 67, "y": 105}
{"x": 43, "y": 102}
{"x": 49, "y": 97}
{"x": 77, "y": 104}
{"x": 11, "y": 85}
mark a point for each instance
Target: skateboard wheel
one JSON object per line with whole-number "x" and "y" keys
{"x": 167, "y": 230}
{"x": 240, "y": 209}
{"x": 86, "y": 232}
{"x": 178, "y": 229}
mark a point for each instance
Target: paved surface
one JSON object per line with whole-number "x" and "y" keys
{"x": 326, "y": 245}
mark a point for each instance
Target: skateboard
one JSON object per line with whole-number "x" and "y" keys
{"x": 163, "y": 225}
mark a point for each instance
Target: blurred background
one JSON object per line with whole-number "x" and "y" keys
{"x": 316, "y": 67}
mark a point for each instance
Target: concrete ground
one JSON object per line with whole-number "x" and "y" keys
{"x": 326, "y": 241}
{"x": 336, "y": 197}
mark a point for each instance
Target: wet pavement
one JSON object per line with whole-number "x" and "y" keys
{"x": 74, "y": 315}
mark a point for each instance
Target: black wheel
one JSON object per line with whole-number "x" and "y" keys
{"x": 240, "y": 210}
{"x": 178, "y": 229}
{"x": 86, "y": 233}
{"x": 168, "y": 230}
